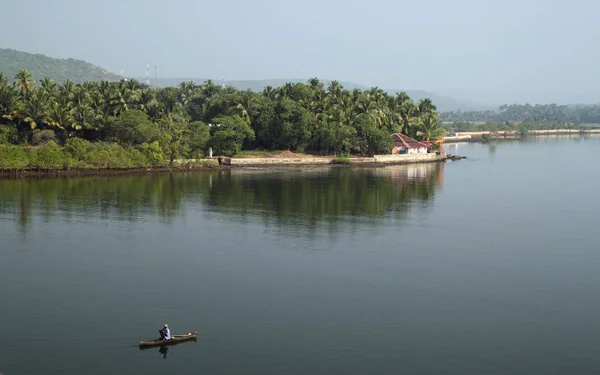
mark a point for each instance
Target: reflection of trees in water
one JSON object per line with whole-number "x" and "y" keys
{"x": 303, "y": 197}
{"x": 325, "y": 195}
{"x": 106, "y": 197}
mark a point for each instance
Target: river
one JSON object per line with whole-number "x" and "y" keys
{"x": 487, "y": 265}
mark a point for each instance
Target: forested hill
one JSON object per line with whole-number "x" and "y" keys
{"x": 443, "y": 103}
{"x": 60, "y": 70}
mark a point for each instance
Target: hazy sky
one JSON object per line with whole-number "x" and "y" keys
{"x": 540, "y": 46}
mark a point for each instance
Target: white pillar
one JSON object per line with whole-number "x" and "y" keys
{"x": 210, "y": 152}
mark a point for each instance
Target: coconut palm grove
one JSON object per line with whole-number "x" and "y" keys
{"x": 127, "y": 124}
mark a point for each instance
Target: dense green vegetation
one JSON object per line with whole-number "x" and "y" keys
{"x": 60, "y": 70}
{"x": 443, "y": 103}
{"x": 516, "y": 116}
{"x": 126, "y": 124}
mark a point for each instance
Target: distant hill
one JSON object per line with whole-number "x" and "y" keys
{"x": 60, "y": 70}
{"x": 443, "y": 103}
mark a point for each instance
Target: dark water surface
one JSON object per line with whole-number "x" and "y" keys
{"x": 489, "y": 265}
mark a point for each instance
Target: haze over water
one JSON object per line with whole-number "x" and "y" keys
{"x": 488, "y": 265}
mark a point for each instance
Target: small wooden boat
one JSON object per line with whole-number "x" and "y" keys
{"x": 175, "y": 339}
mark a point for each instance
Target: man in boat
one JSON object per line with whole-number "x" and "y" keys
{"x": 165, "y": 333}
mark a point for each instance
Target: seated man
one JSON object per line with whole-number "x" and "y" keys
{"x": 165, "y": 333}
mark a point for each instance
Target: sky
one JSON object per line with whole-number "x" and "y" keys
{"x": 458, "y": 47}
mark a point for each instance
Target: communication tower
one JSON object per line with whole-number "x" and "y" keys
{"x": 147, "y": 73}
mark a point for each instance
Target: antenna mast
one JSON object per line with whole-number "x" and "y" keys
{"x": 147, "y": 73}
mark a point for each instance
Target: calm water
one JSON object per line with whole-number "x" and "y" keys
{"x": 489, "y": 265}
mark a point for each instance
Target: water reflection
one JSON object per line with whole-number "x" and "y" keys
{"x": 305, "y": 196}
{"x": 164, "y": 350}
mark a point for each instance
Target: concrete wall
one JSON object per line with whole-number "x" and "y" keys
{"x": 407, "y": 159}
{"x": 244, "y": 162}
{"x": 377, "y": 159}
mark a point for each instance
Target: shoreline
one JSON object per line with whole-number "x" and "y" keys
{"x": 513, "y": 135}
{"x": 376, "y": 161}
{"x": 4, "y": 174}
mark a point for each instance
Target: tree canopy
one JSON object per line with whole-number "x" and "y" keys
{"x": 183, "y": 121}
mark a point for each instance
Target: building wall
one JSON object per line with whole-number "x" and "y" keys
{"x": 411, "y": 151}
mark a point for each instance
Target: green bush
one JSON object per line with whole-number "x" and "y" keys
{"x": 108, "y": 155}
{"x": 41, "y": 137}
{"x": 13, "y": 158}
{"x": 153, "y": 153}
{"x": 81, "y": 154}
{"x": 50, "y": 156}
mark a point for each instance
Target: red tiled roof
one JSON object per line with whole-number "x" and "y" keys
{"x": 406, "y": 141}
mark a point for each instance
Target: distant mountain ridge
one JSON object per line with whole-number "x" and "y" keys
{"x": 443, "y": 103}
{"x": 60, "y": 70}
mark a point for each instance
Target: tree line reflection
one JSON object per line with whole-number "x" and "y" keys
{"x": 306, "y": 197}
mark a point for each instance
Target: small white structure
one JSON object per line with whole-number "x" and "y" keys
{"x": 404, "y": 144}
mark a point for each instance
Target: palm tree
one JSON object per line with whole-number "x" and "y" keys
{"x": 83, "y": 117}
{"x": 35, "y": 109}
{"x": 133, "y": 84}
{"x": 154, "y": 110}
{"x": 406, "y": 109}
{"x": 269, "y": 92}
{"x": 67, "y": 86}
{"x": 245, "y": 105}
{"x": 48, "y": 85}
{"x": 145, "y": 96}
{"x": 169, "y": 101}
{"x": 285, "y": 91}
{"x": 427, "y": 128}
{"x": 335, "y": 89}
{"x": 209, "y": 88}
{"x": 426, "y": 106}
{"x": 24, "y": 81}
{"x": 315, "y": 84}
{"x": 9, "y": 102}
{"x": 59, "y": 116}
{"x": 79, "y": 96}
{"x": 121, "y": 99}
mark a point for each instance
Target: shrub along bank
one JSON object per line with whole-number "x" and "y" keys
{"x": 81, "y": 154}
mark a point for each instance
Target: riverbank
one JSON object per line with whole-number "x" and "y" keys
{"x": 486, "y": 136}
{"x": 219, "y": 163}
{"x": 102, "y": 172}
{"x": 376, "y": 160}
